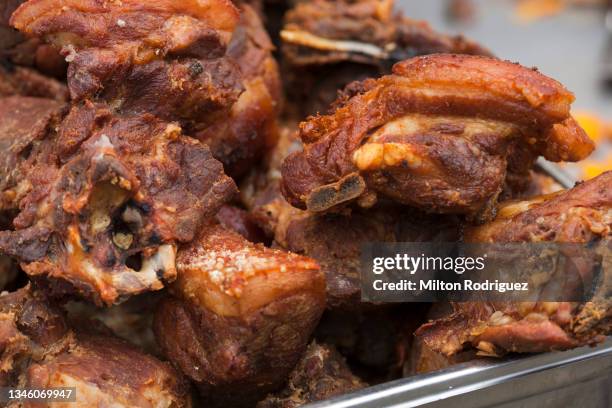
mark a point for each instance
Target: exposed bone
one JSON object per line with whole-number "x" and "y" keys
{"x": 307, "y": 39}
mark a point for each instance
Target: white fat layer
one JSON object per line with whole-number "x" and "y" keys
{"x": 415, "y": 123}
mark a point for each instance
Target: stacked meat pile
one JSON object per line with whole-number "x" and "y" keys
{"x": 175, "y": 230}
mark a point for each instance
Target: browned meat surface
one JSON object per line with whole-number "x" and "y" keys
{"x": 106, "y": 191}
{"x": 28, "y": 65}
{"x": 159, "y": 57}
{"x": 39, "y": 350}
{"x": 375, "y": 339}
{"x": 436, "y": 135}
{"x": 179, "y": 65}
{"x": 242, "y": 222}
{"x": 422, "y": 359}
{"x": 131, "y": 320}
{"x": 538, "y": 184}
{"x": 425, "y": 360}
{"x": 240, "y": 317}
{"x": 242, "y": 138}
{"x": 103, "y": 199}
{"x": 16, "y": 80}
{"x": 322, "y": 373}
{"x": 580, "y": 215}
{"x": 328, "y": 44}
{"x": 334, "y": 240}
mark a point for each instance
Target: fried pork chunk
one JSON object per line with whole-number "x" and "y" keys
{"x": 240, "y": 140}
{"x": 240, "y": 317}
{"x": 178, "y": 63}
{"x": 582, "y": 214}
{"x": 334, "y": 240}
{"x": 328, "y": 44}
{"x": 321, "y": 374}
{"x": 27, "y": 66}
{"x": 160, "y": 57}
{"x": 440, "y": 134}
{"x": 107, "y": 190}
{"x": 102, "y": 199}
{"x": 38, "y": 349}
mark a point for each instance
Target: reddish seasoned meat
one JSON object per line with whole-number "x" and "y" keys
{"x": 103, "y": 199}
{"x": 108, "y": 190}
{"x": 321, "y": 374}
{"x": 582, "y": 214}
{"x": 28, "y": 65}
{"x": 240, "y": 317}
{"x": 423, "y": 359}
{"x": 242, "y": 222}
{"x": 436, "y": 135}
{"x": 241, "y": 139}
{"x": 159, "y": 57}
{"x": 39, "y": 350}
{"x": 24, "y": 81}
{"x": 328, "y": 44}
{"x": 334, "y": 240}
{"x": 131, "y": 320}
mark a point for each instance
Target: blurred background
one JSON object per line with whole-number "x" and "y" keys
{"x": 565, "y": 39}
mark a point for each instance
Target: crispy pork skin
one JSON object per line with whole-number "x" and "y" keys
{"x": 435, "y": 135}
{"x": 581, "y": 215}
{"x": 38, "y": 349}
{"x": 240, "y": 315}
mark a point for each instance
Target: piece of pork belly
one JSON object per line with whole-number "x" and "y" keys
{"x": 581, "y": 215}
{"x": 240, "y": 315}
{"x": 336, "y": 240}
{"x": 439, "y": 134}
{"x": 38, "y": 349}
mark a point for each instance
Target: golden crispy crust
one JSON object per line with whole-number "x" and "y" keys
{"x": 435, "y": 135}
{"x": 223, "y": 272}
{"x": 42, "y": 17}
